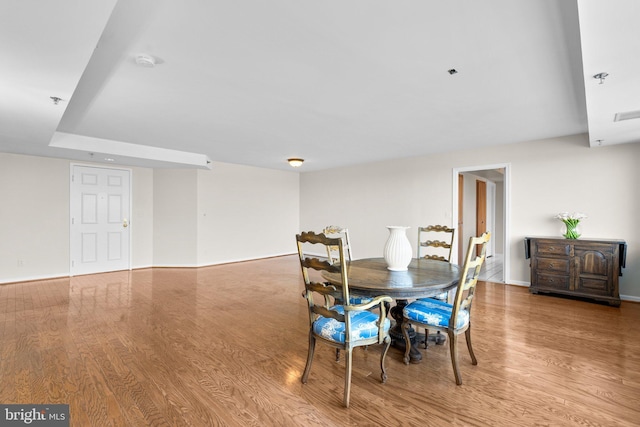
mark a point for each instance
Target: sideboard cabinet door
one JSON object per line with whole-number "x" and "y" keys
{"x": 595, "y": 269}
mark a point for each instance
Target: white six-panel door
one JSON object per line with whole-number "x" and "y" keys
{"x": 100, "y": 205}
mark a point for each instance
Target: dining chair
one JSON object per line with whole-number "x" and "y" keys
{"x": 339, "y": 325}
{"x": 343, "y": 233}
{"x": 435, "y": 249}
{"x": 333, "y": 255}
{"x": 436, "y": 242}
{"x": 454, "y": 319}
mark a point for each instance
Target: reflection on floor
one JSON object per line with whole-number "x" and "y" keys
{"x": 492, "y": 270}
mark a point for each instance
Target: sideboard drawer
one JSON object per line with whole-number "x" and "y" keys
{"x": 556, "y": 248}
{"x": 593, "y": 285}
{"x": 558, "y": 265}
{"x": 551, "y": 281}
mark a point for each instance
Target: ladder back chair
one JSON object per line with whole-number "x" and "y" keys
{"x": 454, "y": 319}
{"x": 439, "y": 250}
{"x": 342, "y": 326}
{"x": 435, "y": 249}
{"x": 343, "y": 233}
{"x": 334, "y": 256}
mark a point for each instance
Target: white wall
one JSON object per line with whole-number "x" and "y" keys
{"x": 34, "y": 217}
{"x": 142, "y": 218}
{"x": 547, "y": 177}
{"x": 250, "y": 213}
{"x": 226, "y": 214}
{"x": 246, "y": 212}
{"x": 175, "y": 222}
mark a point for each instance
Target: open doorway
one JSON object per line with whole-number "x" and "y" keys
{"x": 481, "y": 202}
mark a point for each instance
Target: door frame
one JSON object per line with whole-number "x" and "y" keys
{"x": 131, "y": 226}
{"x": 506, "y": 207}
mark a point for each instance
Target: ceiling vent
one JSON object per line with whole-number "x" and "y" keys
{"x": 627, "y": 115}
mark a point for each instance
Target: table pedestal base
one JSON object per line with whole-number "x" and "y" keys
{"x": 437, "y": 339}
{"x": 397, "y": 336}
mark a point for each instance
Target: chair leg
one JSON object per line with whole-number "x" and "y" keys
{"x": 312, "y": 347}
{"x": 387, "y": 343}
{"x": 438, "y": 338}
{"x": 407, "y": 341}
{"x": 454, "y": 355}
{"x": 467, "y": 335}
{"x": 347, "y": 378}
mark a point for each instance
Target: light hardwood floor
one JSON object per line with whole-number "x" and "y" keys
{"x": 226, "y": 345}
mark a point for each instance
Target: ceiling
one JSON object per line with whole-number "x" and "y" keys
{"x": 493, "y": 175}
{"x": 337, "y": 83}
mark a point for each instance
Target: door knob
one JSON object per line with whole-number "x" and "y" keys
{"x": 125, "y": 224}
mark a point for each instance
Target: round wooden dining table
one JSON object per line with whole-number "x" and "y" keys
{"x": 423, "y": 278}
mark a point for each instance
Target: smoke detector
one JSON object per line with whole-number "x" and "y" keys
{"x": 145, "y": 60}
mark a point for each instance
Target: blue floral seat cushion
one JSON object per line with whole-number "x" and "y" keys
{"x": 434, "y": 312}
{"x": 363, "y": 325}
{"x": 356, "y": 299}
{"x": 444, "y": 296}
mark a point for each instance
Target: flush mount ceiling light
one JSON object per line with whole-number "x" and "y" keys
{"x": 146, "y": 61}
{"x": 295, "y": 162}
{"x": 601, "y": 76}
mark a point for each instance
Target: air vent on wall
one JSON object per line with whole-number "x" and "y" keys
{"x": 627, "y": 115}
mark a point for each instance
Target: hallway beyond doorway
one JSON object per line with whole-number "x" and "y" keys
{"x": 493, "y": 269}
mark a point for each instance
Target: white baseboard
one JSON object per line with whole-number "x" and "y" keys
{"x": 629, "y": 298}
{"x": 518, "y": 283}
{"x": 233, "y": 260}
{"x": 34, "y": 278}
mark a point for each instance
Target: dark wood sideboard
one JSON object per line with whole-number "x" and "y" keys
{"x": 587, "y": 268}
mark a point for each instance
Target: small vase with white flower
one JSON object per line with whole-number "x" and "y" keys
{"x": 571, "y": 222}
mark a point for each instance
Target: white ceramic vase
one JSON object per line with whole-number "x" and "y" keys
{"x": 397, "y": 251}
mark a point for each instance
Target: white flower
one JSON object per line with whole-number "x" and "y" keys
{"x": 563, "y": 216}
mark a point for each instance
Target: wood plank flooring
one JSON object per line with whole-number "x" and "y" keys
{"x": 226, "y": 345}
